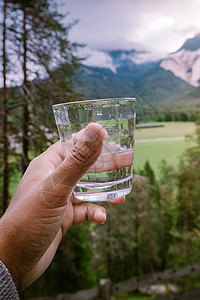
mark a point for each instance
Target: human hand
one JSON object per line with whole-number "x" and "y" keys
{"x": 42, "y": 208}
{"x": 112, "y": 157}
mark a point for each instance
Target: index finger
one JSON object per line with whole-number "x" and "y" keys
{"x": 112, "y": 161}
{"x": 113, "y": 201}
{"x": 56, "y": 148}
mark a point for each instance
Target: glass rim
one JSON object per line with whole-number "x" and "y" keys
{"x": 93, "y": 100}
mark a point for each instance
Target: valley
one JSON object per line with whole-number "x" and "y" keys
{"x": 164, "y": 143}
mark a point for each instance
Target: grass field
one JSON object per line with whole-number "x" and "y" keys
{"x": 155, "y": 151}
{"x": 170, "y": 129}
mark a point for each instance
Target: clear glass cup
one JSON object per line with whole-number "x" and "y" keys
{"x": 111, "y": 175}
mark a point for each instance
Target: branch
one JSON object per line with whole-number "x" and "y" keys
{"x": 40, "y": 131}
{"x": 11, "y": 152}
{"x": 14, "y": 106}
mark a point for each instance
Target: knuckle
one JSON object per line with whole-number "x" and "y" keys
{"x": 34, "y": 161}
{"x": 82, "y": 153}
{"x": 79, "y": 156}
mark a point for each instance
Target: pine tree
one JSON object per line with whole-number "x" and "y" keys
{"x": 189, "y": 188}
{"x": 25, "y": 114}
{"x": 5, "y": 114}
{"x": 47, "y": 57}
{"x": 148, "y": 172}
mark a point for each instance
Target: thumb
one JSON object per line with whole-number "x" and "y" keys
{"x": 84, "y": 154}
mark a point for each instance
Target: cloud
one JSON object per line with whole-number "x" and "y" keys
{"x": 102, "y": 58}
{"x": 96, "y": 58}
{"x": 143, "y": 57}
{"x": 120, "y": 44}
{"x": 155, "y": 23}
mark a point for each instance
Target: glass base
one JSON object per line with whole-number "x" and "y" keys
{"x": 102, "y": 196}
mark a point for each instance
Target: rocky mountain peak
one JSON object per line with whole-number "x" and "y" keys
{"x": 185, "y": 63}
{"x": 191, "y": 44}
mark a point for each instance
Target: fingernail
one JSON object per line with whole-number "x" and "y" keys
{"x": 101, "y": 216}
{"x": 91, "y": 134}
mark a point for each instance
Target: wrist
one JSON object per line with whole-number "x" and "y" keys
{"x": 7, "y": 286}
{"x": 7, "y": 252}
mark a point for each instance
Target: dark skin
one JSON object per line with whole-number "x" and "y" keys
{"x": 42, "y": 208}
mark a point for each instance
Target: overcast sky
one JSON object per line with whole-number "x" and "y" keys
{"x": 160, "y": 24}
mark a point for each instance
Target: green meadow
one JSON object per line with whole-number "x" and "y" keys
{"x": 148, "y": 148}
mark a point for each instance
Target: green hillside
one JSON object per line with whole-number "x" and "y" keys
{"x": 149, "y": 82}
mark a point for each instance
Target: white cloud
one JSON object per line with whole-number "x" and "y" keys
{"x": 96, "y": 58}
{"x": 156, "y": 24}
{"x": 148, "y": 56}
{"x": 101, "y": 58}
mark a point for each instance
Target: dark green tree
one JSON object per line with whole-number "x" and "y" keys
{"x": 5, "y": 127}
{"x": 179, "y": 206}
{"x": 148, "y": 172}
{"x": 120, "y": 246}
{"x": 168, "y": 214}
{"x": 48, "y": 65}
{"x": 71, "y": 269}
{"x": 189, "y": 188}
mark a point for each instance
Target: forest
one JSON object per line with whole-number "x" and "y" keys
{"x": 158, "y": 226}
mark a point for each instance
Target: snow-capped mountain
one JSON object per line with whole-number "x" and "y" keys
{"x": 185, "y": 63}
{"x": 136, "y": 73}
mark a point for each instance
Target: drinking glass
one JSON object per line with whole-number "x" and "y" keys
{"x": 111, "y": 175}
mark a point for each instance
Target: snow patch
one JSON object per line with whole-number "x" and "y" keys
{"x": 185, "y": 65}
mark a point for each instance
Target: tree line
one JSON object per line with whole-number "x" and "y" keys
{"x": 176, "y": 116}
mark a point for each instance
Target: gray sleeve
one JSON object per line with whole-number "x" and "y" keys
{"x": 7, "y": 287}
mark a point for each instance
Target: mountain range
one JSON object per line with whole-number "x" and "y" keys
{"x": 169, "y": 80}
{"x": 185, "y": 63}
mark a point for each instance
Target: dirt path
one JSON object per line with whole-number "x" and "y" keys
{"x": 167, "y": 139}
